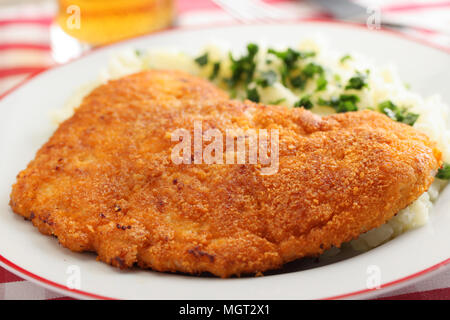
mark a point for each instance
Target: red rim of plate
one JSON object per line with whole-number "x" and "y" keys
{"x": 66, "y": 290}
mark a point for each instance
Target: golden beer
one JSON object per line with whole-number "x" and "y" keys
{"x": 98, "y": 22}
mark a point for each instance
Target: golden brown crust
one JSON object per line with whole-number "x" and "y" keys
{"x": 105, "y": 182}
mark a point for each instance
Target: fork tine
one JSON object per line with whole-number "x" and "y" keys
{"x": 268, "y": 9}
{"x": 243, "y": 11}
{"x": 261, "y": 10}
{"x": 253, "y": 14}
{"x": 232, "y": 10}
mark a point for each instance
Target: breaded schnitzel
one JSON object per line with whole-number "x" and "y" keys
{"x": 105, "y": 182}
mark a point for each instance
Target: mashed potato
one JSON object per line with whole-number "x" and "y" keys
{"x": 332, "y": 72}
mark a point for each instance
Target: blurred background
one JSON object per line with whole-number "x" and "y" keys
{"x": 37, "y": 34}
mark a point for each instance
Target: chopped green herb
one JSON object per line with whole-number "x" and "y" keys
{"x": 215, "y": 71}
{"x": 277, "y": 101}
{"x": 357, "y": 82}
{"x": 397, "y": 114}
{"x": 444, "y": 172}
{"x": 298, "y": 82}
{"x": 202, "y": 60}
{"x": 138, "y": 52}
{"x": 410, "y": 118}
{"x": 267, "y": 78}
{"x": 284, "y": 74}
{"x": 345, "y": 103}
{"x": 321, "y": 83}
{"x": 252, "y": 49}
{"x": 244, "y": 67}
{"x": 304, "y": 102}
{"x": 311, "y": 69}
{"x": 349, "y": 97}
{"x": 290, "y": 56}
{"x": 345, "y": 58}
{"x": 253, "y": 95}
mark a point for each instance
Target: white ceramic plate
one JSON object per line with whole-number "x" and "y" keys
{"x": 25, "y": 126}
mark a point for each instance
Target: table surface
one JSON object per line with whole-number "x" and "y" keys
{"x": 25, "y": 49}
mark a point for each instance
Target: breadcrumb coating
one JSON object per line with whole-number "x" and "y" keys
{"x": 105, "y": 182}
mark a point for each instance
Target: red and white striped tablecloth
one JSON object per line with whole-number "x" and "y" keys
{"x": 25, "y": 49}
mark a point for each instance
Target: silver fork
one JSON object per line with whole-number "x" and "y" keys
{"x": 251, "y": 11}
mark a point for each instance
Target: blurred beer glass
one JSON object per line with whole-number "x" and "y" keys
{"x": 82, "y": 24}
